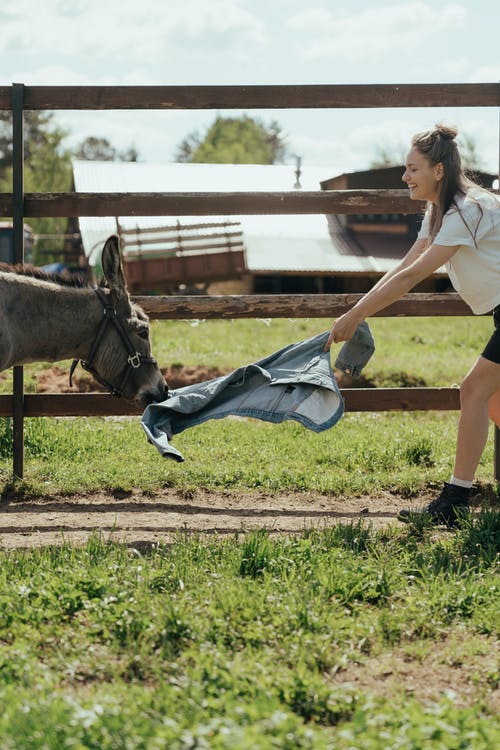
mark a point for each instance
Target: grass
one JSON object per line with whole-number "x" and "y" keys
{"x": 436, "y": 350}
{"x": 364, "y": 453}
{"x": 339, "y": 638}
{"x": 357, "y": 457}
{"x": 252, "y": 642}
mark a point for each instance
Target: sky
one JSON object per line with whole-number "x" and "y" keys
{"x": 242, "y": 42}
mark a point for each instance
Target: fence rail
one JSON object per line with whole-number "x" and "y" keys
{"x": 38, "y": 205}
{"x": 21, "y": 205}
{"x": 311, "y": 96}
{"x": 293, "y": 306}
{"x": 355, "y": 399}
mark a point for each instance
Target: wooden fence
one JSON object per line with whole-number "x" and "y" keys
{"x": 19, "y": 205}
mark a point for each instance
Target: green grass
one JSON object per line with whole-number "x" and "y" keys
{"x": 364, "y": 453}
{"x": 437, "y": 350}
{"x": 369, "y": 453}
{"x": 339, "y": 638}
{"x": 252, "y": 642}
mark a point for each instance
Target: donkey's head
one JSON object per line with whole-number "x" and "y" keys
{"x": 121, "y": 354}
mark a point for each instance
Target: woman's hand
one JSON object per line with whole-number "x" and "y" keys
{"x": 344, "y": 328}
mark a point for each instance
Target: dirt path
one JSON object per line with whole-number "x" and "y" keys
{"x": 141, "y": 519}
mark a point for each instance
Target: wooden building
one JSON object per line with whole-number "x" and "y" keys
{"x": 275, "y": 253}
{"x": 383, "y": 235}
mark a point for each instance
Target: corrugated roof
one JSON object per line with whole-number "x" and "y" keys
{"x": 293, "y": 244}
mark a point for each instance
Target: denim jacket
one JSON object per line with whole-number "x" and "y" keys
{"x": 356, "y": 352}
{"x": 296, "y": 382}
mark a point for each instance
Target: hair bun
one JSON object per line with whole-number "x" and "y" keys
{"x": 448, "y": 132}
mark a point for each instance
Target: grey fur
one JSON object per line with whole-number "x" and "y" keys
{"x": 43, "y": 321}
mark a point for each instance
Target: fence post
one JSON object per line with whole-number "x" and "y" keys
{"x": 496, "y": 454}
{"x": 18, "y": 238}
{"x": 496, "y": 450}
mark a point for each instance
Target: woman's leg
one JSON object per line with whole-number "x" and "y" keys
{"x": 478, "y": 394}
{"x": 479, "y": 397}
{"x": 494, "y": 408}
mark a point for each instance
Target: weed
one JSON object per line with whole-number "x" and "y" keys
{"x": 256, "y": 554}
{"x": 420, "y": 452}
{"x": 480, "y": 537}
{"x": 355, "y": 535}
{"x": 310, "y": 697}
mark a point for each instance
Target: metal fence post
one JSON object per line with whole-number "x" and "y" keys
{"x": 496, "y": 454}
{"x": 496, "y": 449}
{"x": 18, "y": 232}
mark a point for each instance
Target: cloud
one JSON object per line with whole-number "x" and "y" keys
{"x": 117, "y": 42}
{"x": 128, "y": 30}
{"x": 373, "y": 31}
{"x": 484, "y": 133}
{"x": 485, "y": 74}
{"x": 349, "y": 148}
{"x": 452, "y": 69}
{"x": 459, "y": 69}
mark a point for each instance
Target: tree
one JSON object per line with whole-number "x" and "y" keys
{"x": 388, "y": 156}
{"x": 395, "y": 155}
{"x": 100, "y": 149}
{"x": 468, "y": 151}
{"x": 47, "y": 161}
{"x": 47, "y": 168}
{"x": 39, "y": 130}
{"x": 235, "y": 140}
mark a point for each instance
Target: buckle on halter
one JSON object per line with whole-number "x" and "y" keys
{"x": 134, "y": 360}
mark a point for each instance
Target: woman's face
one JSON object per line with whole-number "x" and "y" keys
{"x": 422, "y": 178}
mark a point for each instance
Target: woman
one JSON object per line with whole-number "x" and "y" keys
{"x": 461, "y": 229}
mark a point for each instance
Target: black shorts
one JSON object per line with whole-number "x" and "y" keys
{"x": 492, "y": 348}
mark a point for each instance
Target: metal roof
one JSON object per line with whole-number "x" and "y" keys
{"x": 289, "y": 243}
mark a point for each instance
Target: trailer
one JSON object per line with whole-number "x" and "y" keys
{"x": 164, "y": 260}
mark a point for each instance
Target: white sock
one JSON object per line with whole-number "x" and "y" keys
{"x": 461, "y": 482}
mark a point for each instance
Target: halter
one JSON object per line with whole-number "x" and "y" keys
{"x": 135, "y": 359}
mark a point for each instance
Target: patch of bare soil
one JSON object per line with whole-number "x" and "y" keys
{"x": 459, "y": 668}
{"x": 141, "y": 519}
{"x": 56, "y": 379}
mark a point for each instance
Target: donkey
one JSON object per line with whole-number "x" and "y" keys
{"x": 44, "y": 320}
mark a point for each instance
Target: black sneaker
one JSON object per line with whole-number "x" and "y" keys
{"x": 449, "y": 508}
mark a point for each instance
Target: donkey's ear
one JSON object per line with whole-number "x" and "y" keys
{"x": 113, "y": 273}
{"x": 112, "y": 264}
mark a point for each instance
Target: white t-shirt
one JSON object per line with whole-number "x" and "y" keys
{"x": 474, "y": 270}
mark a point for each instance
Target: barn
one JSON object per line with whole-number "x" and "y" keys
{"x": 254, "y": 253}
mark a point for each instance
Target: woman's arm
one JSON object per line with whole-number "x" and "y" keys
{"x": 393, "y": 288}
{"x": 415, "y": 251}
